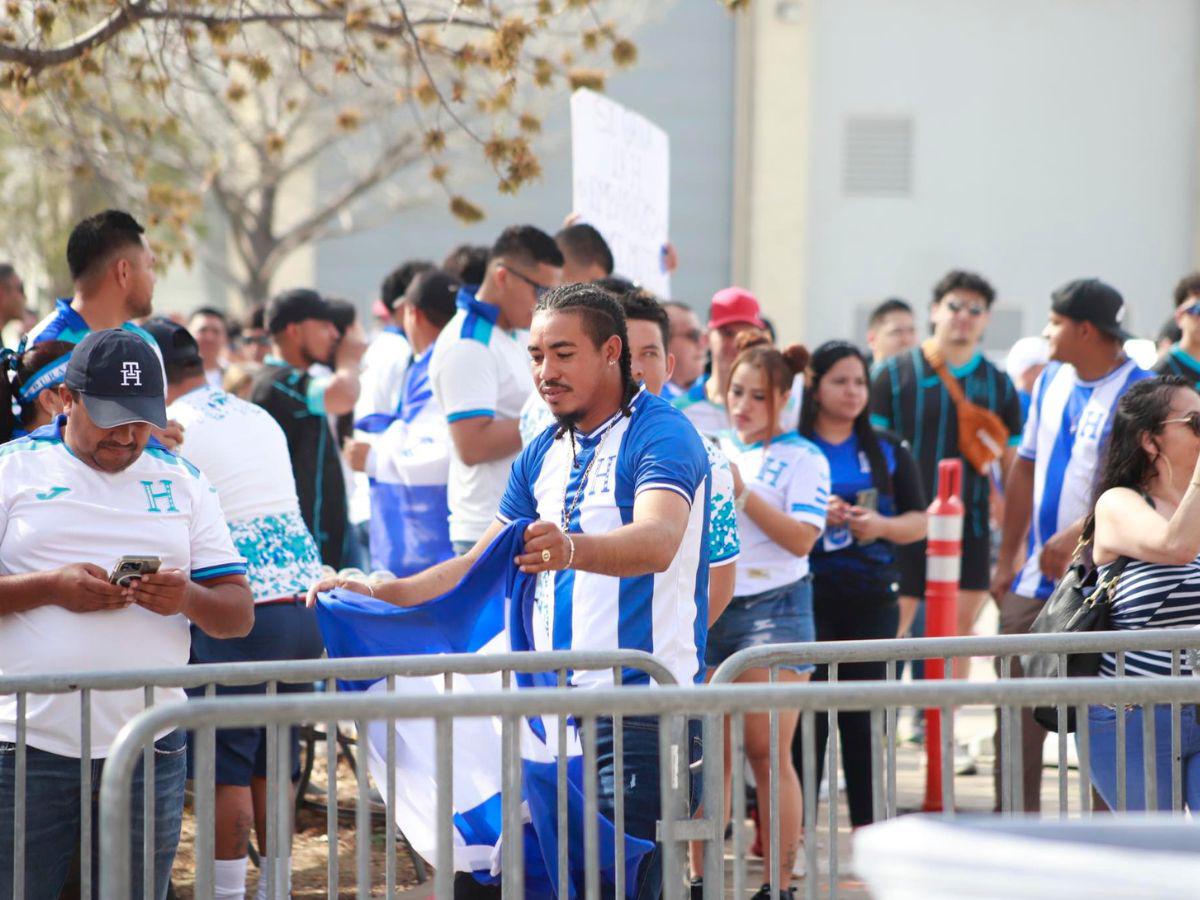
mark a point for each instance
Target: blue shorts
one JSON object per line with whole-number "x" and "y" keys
{"x": 281, "y": 631}
{"x": 779, "y": 616}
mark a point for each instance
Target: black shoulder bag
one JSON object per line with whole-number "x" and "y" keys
{"x": 1081, "y": 602}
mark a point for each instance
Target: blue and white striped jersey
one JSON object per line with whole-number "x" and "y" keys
{"x": 1068, "y": 422}
{"x": 666, "y": 613}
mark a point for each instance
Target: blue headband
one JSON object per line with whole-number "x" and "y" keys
{"x": 54, "y": 372}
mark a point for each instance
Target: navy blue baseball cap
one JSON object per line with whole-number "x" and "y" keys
{"x": 120, "y": 379}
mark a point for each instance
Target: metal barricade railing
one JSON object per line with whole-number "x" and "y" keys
{"x": 325, "y": 671}
{"x": 670, "y": 704}
{"x": 1177, "y": 642}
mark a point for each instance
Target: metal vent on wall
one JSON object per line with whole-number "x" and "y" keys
{"x": 877, "y": 156}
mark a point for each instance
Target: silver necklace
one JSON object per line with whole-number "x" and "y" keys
{"x": 568, "y": 513}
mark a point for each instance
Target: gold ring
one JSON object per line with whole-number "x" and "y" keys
{"x": 545, "y": 556}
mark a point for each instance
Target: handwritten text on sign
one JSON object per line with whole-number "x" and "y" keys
{"x": 621, "y": 180}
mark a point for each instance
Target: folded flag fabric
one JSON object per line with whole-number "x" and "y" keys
{"x": 489, "y": 612}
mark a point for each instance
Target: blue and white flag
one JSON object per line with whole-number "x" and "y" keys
{"x": 489, "y": 612}
{"x": 409, "y": 469}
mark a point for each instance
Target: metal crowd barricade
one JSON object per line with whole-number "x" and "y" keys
{"x": 884, "y": 728}
{"x": 670, "y": 704}
{"x": 326, "y": 671}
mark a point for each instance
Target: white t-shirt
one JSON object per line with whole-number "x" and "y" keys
{"x": 56, "y": 510}
{"x": 383, "y": 366}
{"x": 791, "y": 474}
{"x": 711, "y": 419}
{"x": 242, "y": 450}
{"x": 478, "y": 370}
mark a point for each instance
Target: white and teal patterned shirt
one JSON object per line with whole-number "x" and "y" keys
{"x": 244, "y": 453}
{"x": 724, "y": 545}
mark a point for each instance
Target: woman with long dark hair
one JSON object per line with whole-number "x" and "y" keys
{"x": 1148, "y": 509}
{"x": 876, "y": 503}
{"x": 28, "y": 389}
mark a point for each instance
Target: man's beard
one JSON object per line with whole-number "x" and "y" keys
{"x": 569, "y": 421}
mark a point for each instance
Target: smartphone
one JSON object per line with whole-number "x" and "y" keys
{"x": 130, "y": 567}
{"x": 868, "y": 498}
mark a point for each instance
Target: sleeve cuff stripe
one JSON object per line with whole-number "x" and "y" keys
{"x": 664, "y": 486}
{"x": 808, "y": 508}
{"x": 471, "y": 414}
{"x": 1027, "y": 455}
{"x": 218, "y": 571}
{"x": 723, "y": 561}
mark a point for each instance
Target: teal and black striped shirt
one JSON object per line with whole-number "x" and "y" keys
{"x": 908, "y": 398}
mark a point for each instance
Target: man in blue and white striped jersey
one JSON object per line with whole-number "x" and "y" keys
{"x": 1049, "y": 488}
{"x": 619, "y": 487}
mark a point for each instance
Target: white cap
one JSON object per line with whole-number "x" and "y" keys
{"x": 1025, "y": 354}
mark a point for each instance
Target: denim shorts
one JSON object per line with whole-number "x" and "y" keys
{"x": 779, "y": 616}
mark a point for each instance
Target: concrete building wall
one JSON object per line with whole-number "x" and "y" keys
{"x": 1047, "y": 139}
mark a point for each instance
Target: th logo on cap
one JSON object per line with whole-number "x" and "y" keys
{"x": 131, "y": 374}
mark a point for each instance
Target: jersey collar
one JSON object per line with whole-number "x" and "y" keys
{"x": 65, "y": 310}
{"x": 1186, "y": 358}
{"x": 467, "y": 300}
{"x": 968, "y": 367}
{"x": 53, "y": 431}
{"x": 594, "y": 436}
{"x": 787, "y": 437}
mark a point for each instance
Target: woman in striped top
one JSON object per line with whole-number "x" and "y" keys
{"x": 1148, "y": 509}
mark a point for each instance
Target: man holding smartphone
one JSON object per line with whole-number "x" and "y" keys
{"x": 76, "y": 498}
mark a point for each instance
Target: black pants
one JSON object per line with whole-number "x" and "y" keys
{"x": 846, "y": 611}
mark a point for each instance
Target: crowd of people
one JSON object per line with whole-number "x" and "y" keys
{"x": 182, "y": 489}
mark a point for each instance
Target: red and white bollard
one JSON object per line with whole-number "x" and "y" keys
{"x": 943, "y": 563}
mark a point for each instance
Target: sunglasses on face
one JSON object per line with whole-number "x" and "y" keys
{"x": 1191, "y": 420}
{"x": 1193, "y": 310}
{"x": 974, "y": 310}
{"x": 539, "y": 290}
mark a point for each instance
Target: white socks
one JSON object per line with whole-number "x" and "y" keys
{"x": 281, "y": 891}
{"x": 229, "y": 876}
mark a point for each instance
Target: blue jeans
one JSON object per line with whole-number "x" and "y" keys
{"x": 643, "y": 803}
{"x": 52, "y": 785}
{"x": 1102, "y": 737}
{"x": 782, "y": 615}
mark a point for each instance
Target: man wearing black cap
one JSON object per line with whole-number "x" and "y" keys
{"x": 244, "y": 453}
{"x": 1049, "y": 487}
{"x": 303, "y": 333}
{"x": 75, "y": 498}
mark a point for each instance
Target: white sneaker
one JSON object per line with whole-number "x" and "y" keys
{"x": 964, "y": 761}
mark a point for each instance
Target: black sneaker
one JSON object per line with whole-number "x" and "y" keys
{"x": 764, "y": 893}
{"x": 697, "y": 889}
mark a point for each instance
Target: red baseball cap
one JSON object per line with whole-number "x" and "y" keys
{"x": 732, "y": 305}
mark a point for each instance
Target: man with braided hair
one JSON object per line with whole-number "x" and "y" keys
{"x": 619, "y": 489}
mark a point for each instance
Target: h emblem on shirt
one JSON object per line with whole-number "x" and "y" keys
{"x": 771, "y": 470}
{"x": 131, "y": 374}
{"x": 153, "y": 496}
{"x": 601, "y": 478}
